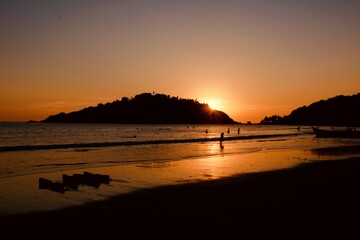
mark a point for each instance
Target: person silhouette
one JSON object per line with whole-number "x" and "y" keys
{"x": 238, "y": 130}
{"x": 221, "y": 140}
{"x": 228, "y": 130}
{"x": 206, "y": 131}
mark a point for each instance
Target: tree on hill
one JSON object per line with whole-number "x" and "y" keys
{"x": 146, "y": 108}
{"x": 337, "y": 111}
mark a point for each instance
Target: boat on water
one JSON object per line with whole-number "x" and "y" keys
{"x": 348, "y": 133}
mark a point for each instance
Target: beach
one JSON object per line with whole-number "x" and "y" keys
{"x": 271, "y": 181}
{"x": 180, "y": 120}
{"x": 314, "y": 197}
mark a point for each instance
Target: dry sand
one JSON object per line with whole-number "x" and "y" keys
{"x": 315, "y": 200}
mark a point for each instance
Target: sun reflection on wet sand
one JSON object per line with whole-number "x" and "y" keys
{"x": 21, "y": 194}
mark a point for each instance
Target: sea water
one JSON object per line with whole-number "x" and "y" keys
{"x": 143, "y": 156}
{"x": 28, "y": 148}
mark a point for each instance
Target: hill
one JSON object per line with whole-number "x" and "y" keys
{"x": 337, "y": 111}
{"x": 146, "y": 108}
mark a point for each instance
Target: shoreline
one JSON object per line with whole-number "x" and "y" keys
{"x": 21, "y": 194}
{"x": 318, "y": 197}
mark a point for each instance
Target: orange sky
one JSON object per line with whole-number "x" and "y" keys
{"x": 250, "y": 58}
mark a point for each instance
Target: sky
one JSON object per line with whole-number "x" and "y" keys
{"x": 250, "y": 58}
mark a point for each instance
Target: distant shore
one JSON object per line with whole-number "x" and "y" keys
{"x": 318, "y": 198}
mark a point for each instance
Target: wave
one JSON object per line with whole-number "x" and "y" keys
{"x": 131, "y": 143}
{"x": 60, "y": 164}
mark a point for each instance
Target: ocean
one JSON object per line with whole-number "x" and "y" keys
{"x": 28, "y": 148}
{"x": 144, "y": 156}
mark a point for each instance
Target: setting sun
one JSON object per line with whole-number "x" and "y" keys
{"x": 214, "y": 104}
{"x": 75, "y": 55}
{"x": 207, "y": 111}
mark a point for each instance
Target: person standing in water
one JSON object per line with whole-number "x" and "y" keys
{"x": 221, "y": 140}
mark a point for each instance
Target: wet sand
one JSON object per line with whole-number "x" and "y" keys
{"x": 312, "y": 200}
{"x": 21, "y": 194}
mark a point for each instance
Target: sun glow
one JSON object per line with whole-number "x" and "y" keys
{"x": 214, "y": 104}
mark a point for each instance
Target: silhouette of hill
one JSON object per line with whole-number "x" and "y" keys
{"x": 146, "y": 108}
{"x": 337, "y": 111}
